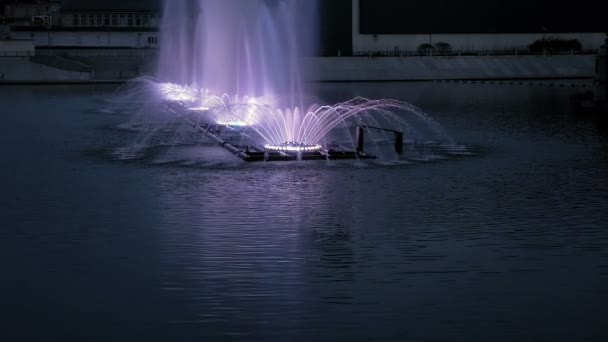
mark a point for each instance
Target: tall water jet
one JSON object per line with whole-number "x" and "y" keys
{"x": 239, "y": 47}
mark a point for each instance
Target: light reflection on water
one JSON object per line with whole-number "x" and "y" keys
{"x": 508, "y": 243}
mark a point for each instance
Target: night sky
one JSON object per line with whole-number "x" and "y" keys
{"x": 480, "y": 16}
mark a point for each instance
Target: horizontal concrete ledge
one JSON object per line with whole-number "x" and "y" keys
{"x": 112, "y": 70}
{"x": 60, "y": 82}
{"x": 448, "y": 68}
{"x": 442, "y": 79}
{"x": 459, "y": 79}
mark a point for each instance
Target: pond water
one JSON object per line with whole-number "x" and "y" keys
{"x": 507, "y": 241}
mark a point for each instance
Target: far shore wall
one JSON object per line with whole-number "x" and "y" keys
{"x": 16, "y": 46}
{"x": 466, "y": 42}
{"x": 22, "y": 69}
{"x": 445, "y": 68}
{"x": 338, "y": 69}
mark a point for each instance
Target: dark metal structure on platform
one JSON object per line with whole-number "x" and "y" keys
{"x": 398, "y": 138}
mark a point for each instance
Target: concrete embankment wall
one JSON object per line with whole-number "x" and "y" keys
{"x": 118, "y": 68}
{"x": 444, "y": 68}
{"x": 21, "y": 69}
{"x": 333, "y": 69}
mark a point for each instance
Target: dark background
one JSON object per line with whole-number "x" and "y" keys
{"x": 336, "y": 27}
{"x": 433, "y": 16}
{"x": 481, "y": 16}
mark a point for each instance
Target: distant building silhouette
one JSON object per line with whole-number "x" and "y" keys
{"x": 103, "y": 24}
{"x": 109, "y": 15}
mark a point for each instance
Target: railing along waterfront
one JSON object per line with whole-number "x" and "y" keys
{"x": 503, "y": 52}
{"x": 83, "y": 53}
{"x": 154, "y": 53}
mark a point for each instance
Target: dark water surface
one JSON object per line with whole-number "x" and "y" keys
{"x": 509, "y": 243}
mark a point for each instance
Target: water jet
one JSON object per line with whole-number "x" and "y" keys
{"x": 231, "y": 70}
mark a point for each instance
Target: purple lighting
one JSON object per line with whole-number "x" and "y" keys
{"x": 238, "y": 47}
{"x": 236, "y": 66}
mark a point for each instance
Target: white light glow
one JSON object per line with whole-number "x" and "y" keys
{"x": 228, "y": 110}
{"x": 200, "y": 109}
{"x": 234, "y": 123}
{"x": 176, "y": 92}
{"x": 293, "y": 147}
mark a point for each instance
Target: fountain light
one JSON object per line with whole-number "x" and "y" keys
{"x": 200, "y": 109}
{"x": 294, "y": 147}
{"x": 234, "y": 123}
{"x": 175, "y": 92}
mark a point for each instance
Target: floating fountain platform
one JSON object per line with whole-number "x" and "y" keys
{"x": 288, "y": 151}
{"x": 285, "y": 152}
{"x": 271, "y": 156}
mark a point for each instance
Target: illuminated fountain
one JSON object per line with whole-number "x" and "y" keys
{"x": 230, "y": 70}
{"x": 255, "y": 123}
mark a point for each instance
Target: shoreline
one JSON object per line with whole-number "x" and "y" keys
{"x": 113, "y": 70}
{"x": 489, "y": 79}
{"x": 59, "y": 82}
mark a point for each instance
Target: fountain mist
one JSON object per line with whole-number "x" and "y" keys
{"x": 238, "y": 47}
